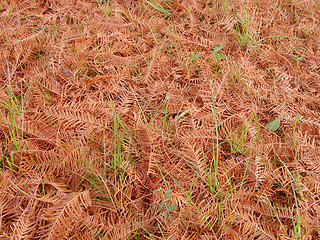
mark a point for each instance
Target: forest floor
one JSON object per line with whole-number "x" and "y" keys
{"x": 159, "y": 119}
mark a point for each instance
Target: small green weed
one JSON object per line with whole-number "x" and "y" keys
{"x": 216, "y": 53}
{"x": 15, "y": 108}
{"x": 274, "y": 125}
{"x": 157, "y": 6}
{"x": 164, "y": 203}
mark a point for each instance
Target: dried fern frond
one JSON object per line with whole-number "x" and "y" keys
{"x": 128, "y": 119}
{"x": 64, "y": 215}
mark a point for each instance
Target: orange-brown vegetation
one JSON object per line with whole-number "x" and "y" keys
{"x": 159, "y": 119}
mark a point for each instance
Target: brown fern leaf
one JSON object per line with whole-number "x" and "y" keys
{"x": 63, "y": 216}
{"x": 25, "y": 227}
{"x": 145, "y": 166}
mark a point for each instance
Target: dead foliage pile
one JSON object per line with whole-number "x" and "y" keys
{"x": 182, "y": 119}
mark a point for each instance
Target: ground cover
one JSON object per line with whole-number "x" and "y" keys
{"x": 158, "y": 119}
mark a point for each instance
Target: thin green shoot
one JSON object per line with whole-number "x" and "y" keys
{"x": 116, "y": 144}
{"x": 227, "y": 225}
{"x": 189, "y": 197}
{"x": 27, "y": 16}
{"x": 92, "y": 178}
{"x": 297, "y": 226}
{"x": 190, "y": 193}
{"x": 111, "y": 105}
{"x": 123, "y": 193}
{"x": 293, "y": 38}
{"x": 96, "y": 177}
{"x": 186, "y": 194}
{"x": 276, "y": 214}
{"x": 10, "y": 15}
{"x": 237, "y": 145}
{"x": 296, "y": 158}
{"x": 163, "y": 178}
{"x": 95, "y": 232}
{"x": 220, "y": 209}
{"x": 189, "y": 162}
{"x": 165, "y": 100}
{"x": 159, "y": 227}
{"x": 146, "y": 231}
{"x": 154, "y": 33}
{"x": 106, "y": 9}
{"x": 128, "y": 8}
{"x": 215, "y": 145}
{"x": 136, "y": 46}
{"x": 153, "y": 116}
{"x": 158, "y": 7}
{"x": 167, "y": 196}
{"x": 249, "y": 157}
{"x": 193, "y": 58}
{"x": 179, "y": 50}
{"x": 182, "y": 114}
{"x": 226, "y": 7}
{"x": 144, "y": 11}
{"x": 230, "y": 184}
{"x": 13, "y": 109}
{"x": 208, "y": 172}
{"x": 165, "y": 119}
{"x": 141, "y": 110}
{"x": 243, "y": 34}
{"x": 117, "y": 161}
